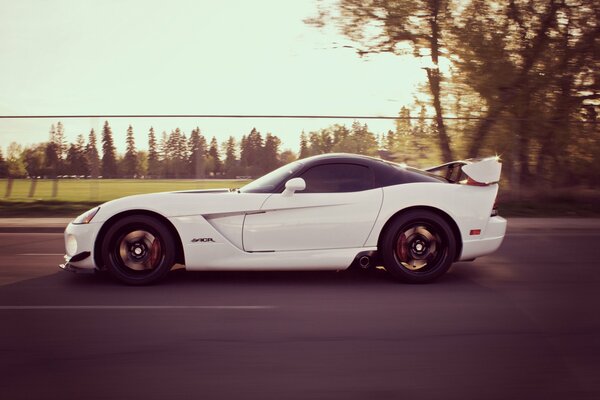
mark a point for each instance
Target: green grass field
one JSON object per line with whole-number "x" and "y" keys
{"x": 77, "y": 195}
{"x": 101, "y": 190}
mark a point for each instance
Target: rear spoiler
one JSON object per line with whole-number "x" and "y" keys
{"x": 474, "y": 171}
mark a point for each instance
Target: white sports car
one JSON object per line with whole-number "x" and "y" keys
{"x": 330, "y": 211}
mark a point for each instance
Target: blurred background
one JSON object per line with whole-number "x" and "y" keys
{"x": 209, "y": 94}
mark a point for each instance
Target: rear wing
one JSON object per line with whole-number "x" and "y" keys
{"x": 475, "y": 171}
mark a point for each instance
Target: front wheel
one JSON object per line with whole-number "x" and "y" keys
{"x": 138, "y": 250}
{"x": 418, "y": 247}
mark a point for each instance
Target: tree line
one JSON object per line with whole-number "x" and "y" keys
{"x": 524, "y": 74}
{"x": 172, "y": 155}
{"x": 176, "y": 155}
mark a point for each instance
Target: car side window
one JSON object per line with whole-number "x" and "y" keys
{"x": 337, "y": 178}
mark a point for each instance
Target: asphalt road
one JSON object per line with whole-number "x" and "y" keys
{"x": 520, "y": 324}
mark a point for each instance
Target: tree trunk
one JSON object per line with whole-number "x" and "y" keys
{"x": 433, "y": 76}
{"x": 531, "y": 54}
{"x": 32, "y": 188}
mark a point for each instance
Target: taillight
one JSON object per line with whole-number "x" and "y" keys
{"x": 473, "y": 182}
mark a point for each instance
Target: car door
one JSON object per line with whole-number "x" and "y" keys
{"x": 337, "y": 209}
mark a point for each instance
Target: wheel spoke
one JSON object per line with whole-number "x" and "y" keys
{"x": 416, "y": 247}
{"x": 139, "y": 250}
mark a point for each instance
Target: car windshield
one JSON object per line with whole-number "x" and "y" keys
{"x": 268, "y": 182}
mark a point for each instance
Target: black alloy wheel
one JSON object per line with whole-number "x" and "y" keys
{"x": 138, "y": 250}
{"x": 418, "y": 247}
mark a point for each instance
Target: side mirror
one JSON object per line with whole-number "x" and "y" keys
{"x": 294, "y": 185}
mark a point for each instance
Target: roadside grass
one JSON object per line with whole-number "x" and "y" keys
{"x": 556, "y": 202}
{"x": 75, "y": 196}
{"x": 101, "y": 190}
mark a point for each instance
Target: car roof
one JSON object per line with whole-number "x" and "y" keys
{"x": 341, "y": 157}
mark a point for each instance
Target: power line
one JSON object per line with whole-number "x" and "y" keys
{"x": 266, "y": 116}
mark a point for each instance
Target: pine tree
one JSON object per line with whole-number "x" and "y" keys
{"x": 165, "y": 157}
{"x": 52, "y": 160}
{"x": 130, "y": 161}
{"x": 61, "y": 141}
{"x": 342, "y": 139}
{"x": 197, "y": 154}
{"x": 252, "y": 153}
{"x": 178, "y": 154}
{"x": 390, "y": 141}
{"x": 366, "y": 142}
{"x": 230, "y": 156}
{"x": 109, "y": 158}
{"x": 213, "y": 153}
{"x": 304, "y": 151}
{"x": 76, "y": 160}
{"x": 91, "y": 153}
{"x": 271, "y": 153}
{"x": 244, "y": 152}
{"x": 153, "y": 156}
{"x": 183, "y": 155}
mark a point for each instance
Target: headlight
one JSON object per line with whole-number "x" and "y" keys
{"x": 87, "y": 216}
{"x": 71, "y": 245}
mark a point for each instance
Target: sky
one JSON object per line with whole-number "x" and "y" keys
{"x": 187, "y": 57}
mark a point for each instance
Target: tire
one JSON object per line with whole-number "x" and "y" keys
{"x": 418, "y": 247}
{"x": 138, "y": 250}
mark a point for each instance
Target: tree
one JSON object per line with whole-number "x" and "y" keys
{"x": 271, "y": 153}
{"x": 534, "y": 66}
{"x": 34, "y": 160}
{"x": 52, "y": 161}
{"x": 3, "y": 166}
{"x": 178, "y": 154}
{"x": 231, "y": 161}
{"x": 165, "y": 160}
{"x": 109, "y": 158}
{"x": 76, "y": 161}
{"x": 142, "y": 158}
{"x": 91, "y": 153}
{"x": 341, "y": 139}
{"x": 287, "y": 156}
{"x": 153, "y": 156}
{"x": 53, "y": 152}
{"x": 320, "y": 142}
{"x": 130, "y": 161}
{"x": 304, "y": 151}
{"x": 395, "y": 26}
{"x": 61, "y": 141}
{"x": 251, "y": 149}
{"x": 213, "y": 154}
{"x": 197, "y": 156}
{"x": 14, "y": 161}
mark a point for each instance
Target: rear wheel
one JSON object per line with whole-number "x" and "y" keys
{"x": 418, "y": 247}
{"x": 138, "y": 250}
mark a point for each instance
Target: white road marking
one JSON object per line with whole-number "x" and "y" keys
{"x": 40, "y": 254}
{"x": 108, "y": 307}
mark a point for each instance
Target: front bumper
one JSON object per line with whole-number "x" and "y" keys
{"x": 490, "y": 240}
{"x": 79, "y": 245}
{"x": 67, "y": 266}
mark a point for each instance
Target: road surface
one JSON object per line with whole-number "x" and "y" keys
{"x": 523, "y": 323}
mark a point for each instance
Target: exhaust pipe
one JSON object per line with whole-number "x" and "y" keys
{"x": 364, "y": 262}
